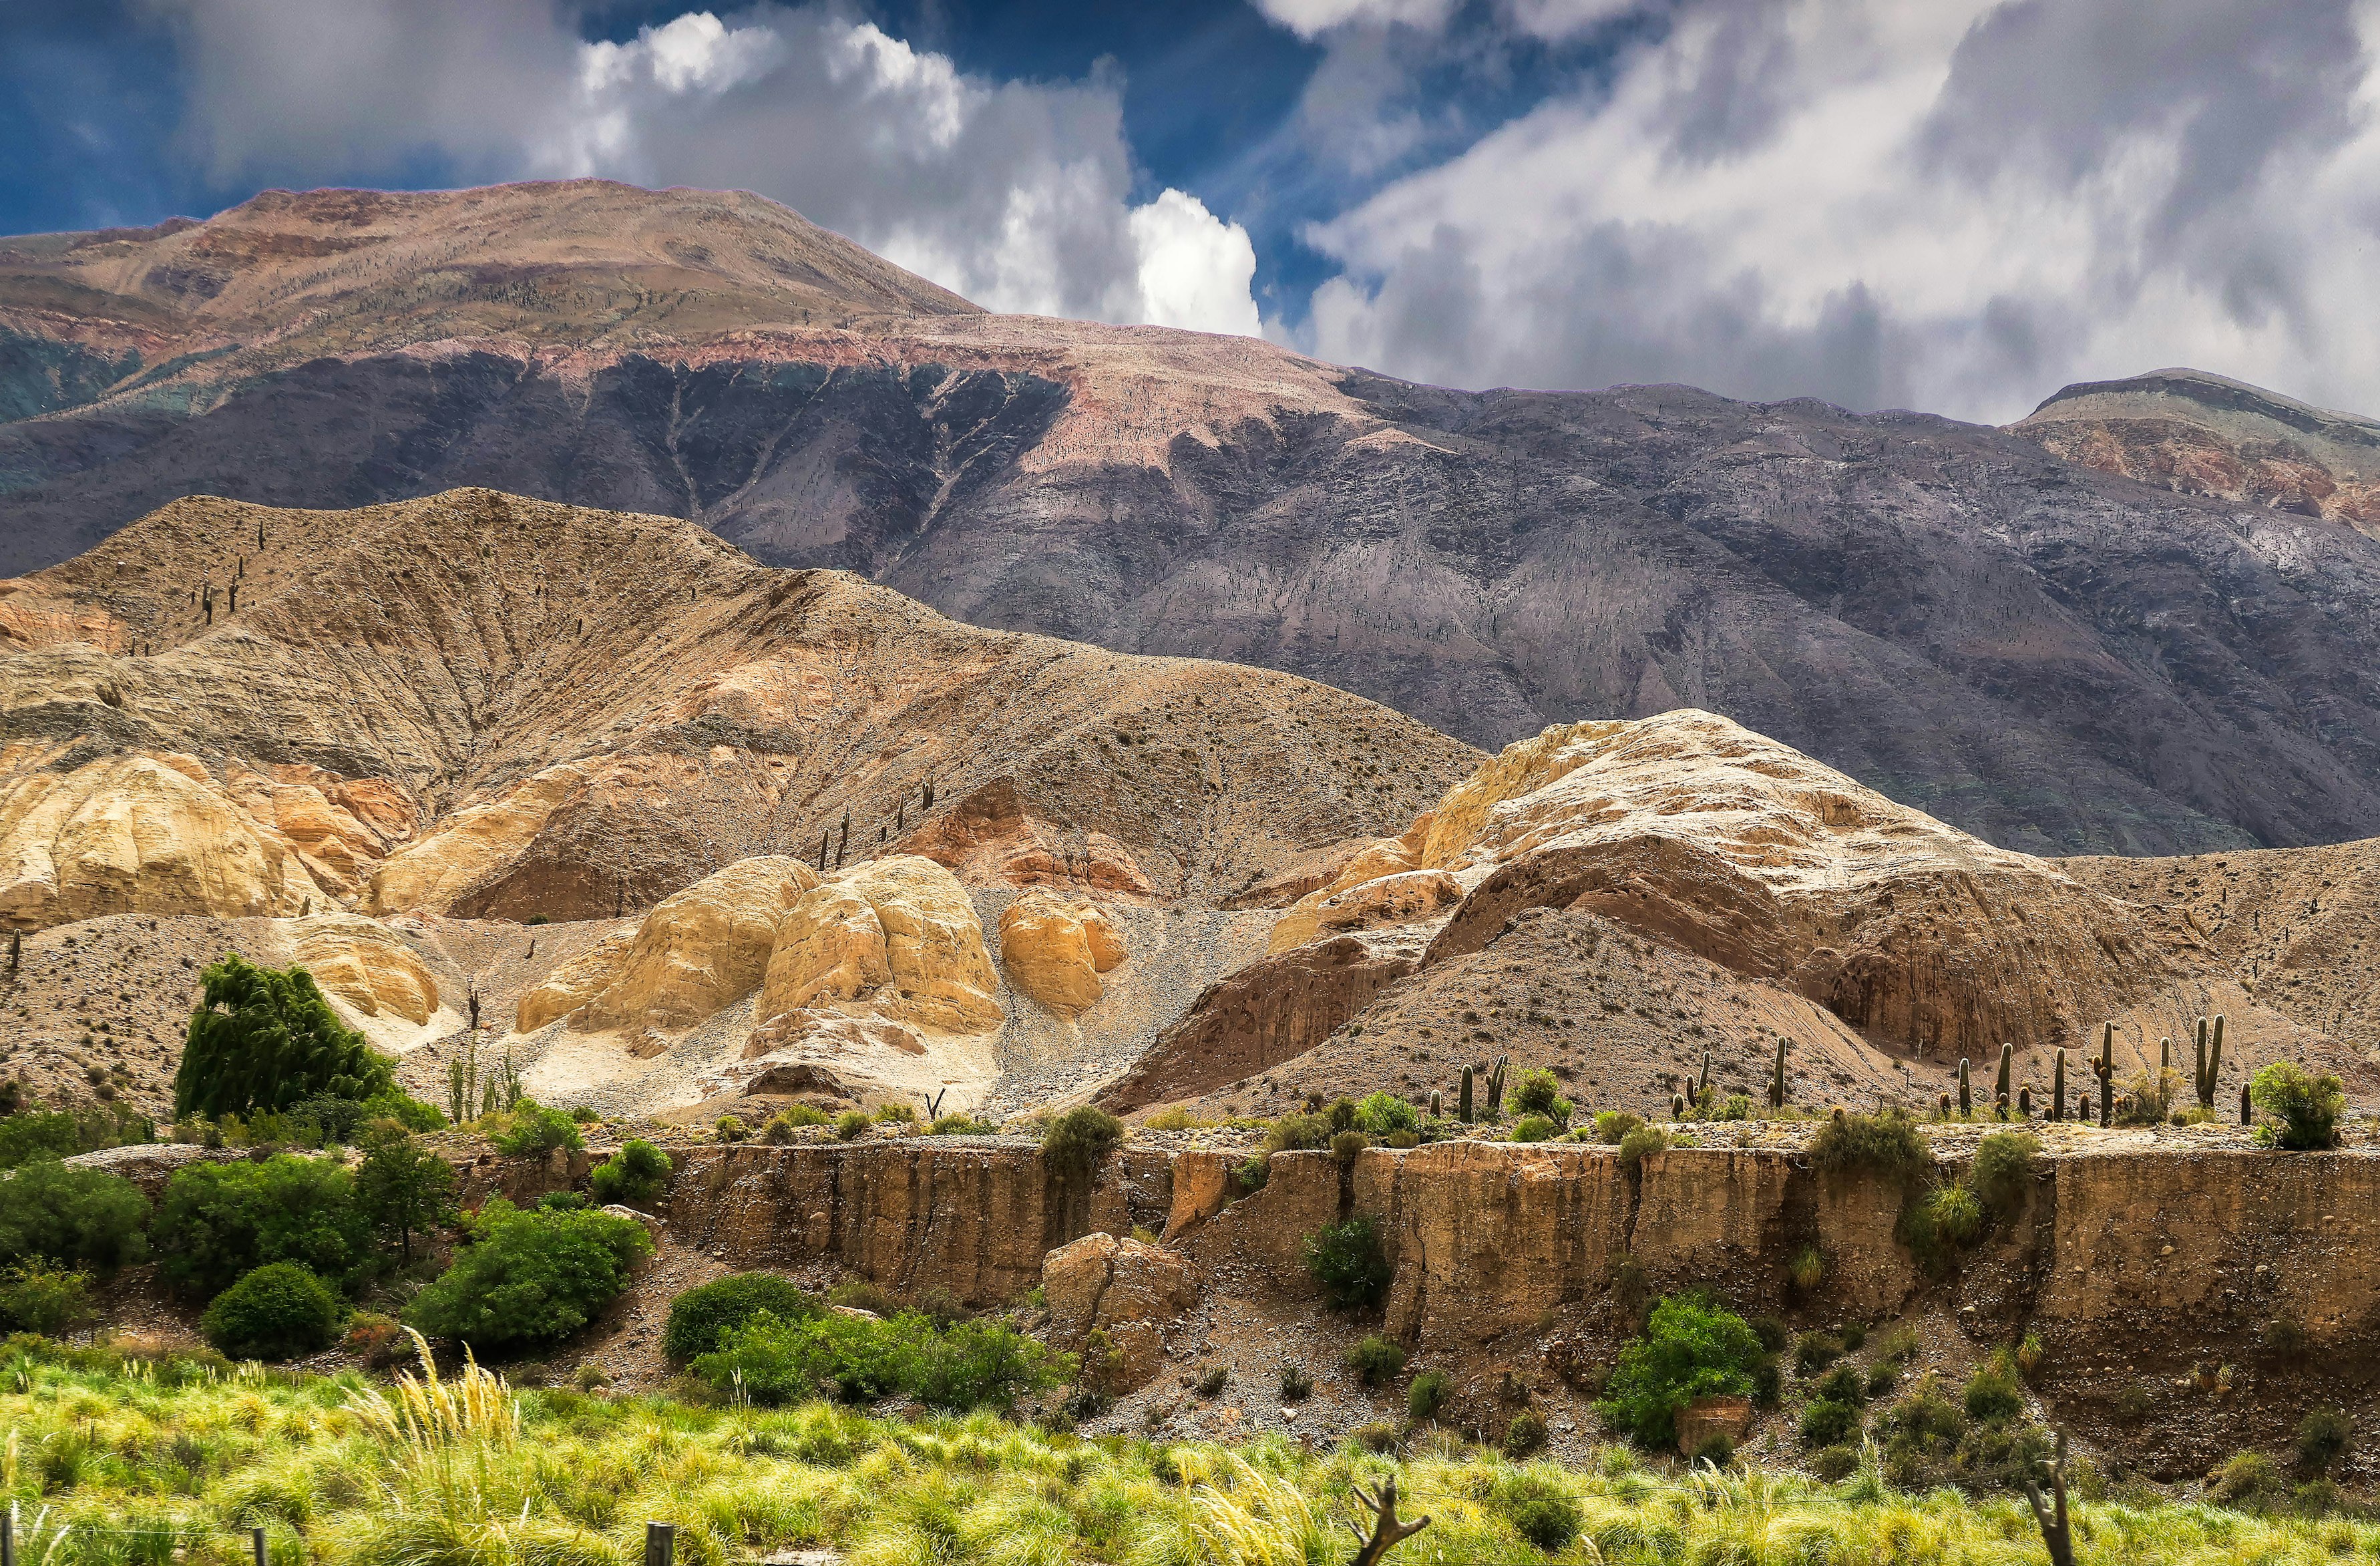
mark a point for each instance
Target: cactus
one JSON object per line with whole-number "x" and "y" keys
{"x": 1677, "y": 1106}
{"x": 929, "y": 795}
{"x": 2247, "y": 1110}
{"x": 2165, "y": 1057}
{"x": 16, "y": 948}
{"x": 1462, "y": 1099}
{"x": 235, "y": 599}
{"x": 1702, "y": 1089}
{"x": 1777, "y": 1079}
{"x": 1496, "y": 1087}
{"x": 2000, "y": 1093}
{"x": 1944, "y": 1108}
{"x": 2104, "y": 1068}
{"x": 2024, "y": 1103}
{"x": 2058, "y": 1089}
{"x": 2210, "y": 1064}
{"x": 1966, "y": 1100}
{"x": 454, "y": 1091}
{"x": 1436, "y": 1105}
{"x": 822, "y": 837}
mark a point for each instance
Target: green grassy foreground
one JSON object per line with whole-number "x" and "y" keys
{"x": 117, "y": 1460}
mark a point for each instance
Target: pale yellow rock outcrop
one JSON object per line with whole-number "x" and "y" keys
{"x": 429, "y": 874}
{"x": 1055, "y": 947}
{"x": 1394, "y": 898}
{"x": 898, "y": 934}
{"x": 140, "y": 834}
{"x": 703, "y": 948}
{"x": 361, "y": 962}
{"x": 575, "y": 982}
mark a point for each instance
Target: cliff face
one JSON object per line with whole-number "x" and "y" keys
{"x": 2058, "y": 658}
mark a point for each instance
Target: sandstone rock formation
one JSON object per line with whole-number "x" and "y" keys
{"x": 1055, "y": 948}
{"x": 1126, "y": 1289}
{"x": 702, "y": 948}
{"x": 1401, "y": 897}
{"x": 898, "y": 935}
{"x": 361, "y": 962}
{"x": 575, "y": 983}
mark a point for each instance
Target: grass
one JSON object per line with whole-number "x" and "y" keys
{"x": 170, "y": 1457}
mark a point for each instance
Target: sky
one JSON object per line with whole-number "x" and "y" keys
{"x": 1951, "y": 205}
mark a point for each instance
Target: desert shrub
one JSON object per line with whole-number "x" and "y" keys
{"x": 1537, "y": 1093}
{"x": 535, "y": 1131}
{"x": 1612, "y": 1127}
{"x": 1807, "y": 1268}
{"x": 775, "y": 1359}
{"x": 1078, "y": 1139}
{"x": 1213, "y": 1378}
{"x": 2030, "y": 1351}
{"x": 1428, "y": 1394}
{"x": 220, "y": 1220}
{"x": 1643, "y": 1140}
{"x": 2003, "y": 1169}
{"x": 264, "y": 1039}
{"x": 1771, "y": 1332}
{"x": 585, "y": 1114}
{"x": 1853, "y": 1335}
{"x": 1541, "y": 1510}
{"x": 71, "y": 1217}
{"x": 1921, "y": 1434}
{"x": 1900, "y": 1343}
{"x": 375, "y": 1339}
{"x": 635, "y": 1174}
{"x": 37, "y": 1297}
{"x": 1524, "y": 1434}
{"x": 2306, "y": 1105}
{"x": 1715, "y": 1449}
{"x": 2322, "y": 1439}
{"x": 1347, "y": 1259}
{"x": 1956, "y": 1215}
{"x": 2247, "y": 1479}
{"x": 530, "y": 1277}
{"x": 2285, "y": 1339}
{"x": 1835, "y": 1463}
{"x": 2148, "y": 1097}
{"x": 1825, "y": 1423}
{"x": 1843, "y": 1384}
{"x": 892, "y": 1112}
{"x": 1533, "y": 1128}
{"x": 1385, "y": 1114}
{"x": 563, "y": 1201}
{"x": 61, "y": 1134}
{"x": 401, "y": 1188}
{"x": 1341, "y": 1115}
{"x": 1690, "y": 1349}
{"x": 1812, "y": 1351}
{"x": 408, "y": 1111}
{"x": 1882, "y": 1376}
{"x": 852, "y": 1125}
{"x": 701, "y": 1318}
{"x": 1735, "y": 1106}
{"x": 959, "y": 1125}
{"x": 1347, "y": 1144}
{"x": 864, "y": 1293}
{"x": 279, "y": 1311}
{"x": 1376, "y": 1361}
{"x": 1994, "y": 1392}
{"x": 1888, "y": 1144}
{"x": 1296, "y": 1385}
{"x": 727, "y": 1128}
{"x": 1767, "y": 1383}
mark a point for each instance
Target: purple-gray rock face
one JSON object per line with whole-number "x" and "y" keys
{"x": 2059, "y": 658}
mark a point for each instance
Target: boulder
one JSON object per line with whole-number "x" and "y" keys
{"x": 703, "y": 948}
{"x": 1125, "y": 1288}
{"x": 1055, "y": 948}
{"x": 362, "y": 963}
{"x": 900, "y": 936}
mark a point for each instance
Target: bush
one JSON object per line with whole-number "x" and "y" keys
{"x": 536, "y": 1131}
{"x": 852, "y": 1125}
{"x": 1078, "y": 1139}
{"x": 1812, "y": 1351}
{"x": 219, "y": 1221}
{"x": 1644, "y": 1139}
{"x": 961, "y": 1125}
{"x": 36, "y": 1297}
{"x": 1612, "y": 1127}
{"x": 264, "y": 1040}
{"x": 1347, "y": 1144}
{"x": 71, "y": 1217}
{"x": 563, "y": 1201}
{"x": 727, "y": 1128}
{"x": 1771, "y": 1333}
{"x": 1825, "y": 1423}
{"x": 1715, "y": 1449}
{"x": 1524, "y": 1434}
{"x": 409, "y": 1112}
{"x": 44, "y": 1133}
{"x": 2324, "y": 1435}
{"x": 1882, "y": 1376}
{"x": 977, "y": 1364}
{"x": 701, "y": 1318}
{"x": 401, "y": 1188}
{"x": 1843, "y": 1384}
{"x": 1375, "y": 1436}
{"x": 1994, "y": 1391}
{"x": 1348, "y": 1261}
{"x": 1428, "y": 1393}
{"x": 1956, "y": 1216}
{"x": 1887, "y": 1145}
{"x": 2248, "y": 1479}
{"x": 1835, "y": 1464}
{"x": 1533, "y": 1128}
{"x": 279, "y": 1311}
{"x": 1298, "y": 1133}
{"x": 1807, "y": 1268}
{"x": 1213, "y": 1378}
{"x": 2307, "y": 1105}
{"x": 1536, "y": 1093}
{"x": 635, "y": 1174}
{"x": 1542, "y": 1511}
{"x": 1690, "y": 1349}
{"x": 1376, "y": 1361}
{"x": 530, "y": 1277}
{"x": 375, "y": 1339}
{"x": 1297, "y": 1385}
{"x": 1385, "y": 1114}
{"x": 2003, "y": 1170}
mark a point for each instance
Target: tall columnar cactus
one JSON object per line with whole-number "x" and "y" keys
{"x": 1496, "y": 1087}
{"x": 1702, "y": 1088}
{"x": 1437, "y": 1104}
{"x": 2247, "y": 1110}
{"x": 1462, "y": 1098}
{"x": 2210, "y": 1064}
{"x": 1777, "y": 1079}
{"x": 2058, "y": 1089}
{"x": 1966, "y": 1099}
{"x": 2024, "y": 1103}
{"x": 1677, "y": 1106}
{"x": 2000, "y": 1092}
{"x": 2104, "y": 1068}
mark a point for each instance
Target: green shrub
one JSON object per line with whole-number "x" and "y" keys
{"x": 1533, "y": 1128}
{"x": 37, "y": 1297}
{"x": 530, "y": 1277}
{"x": 1541, "y": 1511}
{"x": 727, "y": 1128}
{"x": 401, "y": 1188}
{"x": 71, "y": 1217}
{"x": 959, "y": 1125}
{"x": 1644, "y": 1139}
{"x": 1385, "y": 1114}
{"x": 1888, "y": 1144}
{"x": 1825, "y": 1423}
{"x": 2307, "y": 1105}
{"x": 1612, "y": 1127}
{"x": 1882, "y": 1376}
{"x": 1213, "y": 1378}
{"x": 261, "y": 1039}
{"x": 1348, "y": 1261}
{"x": 535, "y": 1132}
{"x": 1690, "y": 1349}
{"x": 2247, "y": 1479}
{"x": 279, "y": 1311}
{"x": 1843, "y": 1384}
{"x": 1537, "y": 1093}
{"x": 563, "y": 1201}
{"x": 635, "y": 1174}
{"x": 1767, "y": 1383}
{"x": 2003, "y": 1170}
{"x": 1297, "y": 1385}
{"x": 409, "y": 1112}
{"x": 1078, "y": 1139}
{"x": 2324, "y": 1435}
{"x": 1853, "y": 1335}
{"x": 1716, "y": 1449}
{"x": 1347, "y": 1144}
{"x": 1834, "y": 1464}
{"x": 1771, "y": 1333}
{"x": 701, "y": 1318}
{"x": 852, "y": 1125}
{"x": 1297, "y": 1133}
{"x": 1736, "y": 1106}
{"x": 1341, "y": 1114}
{"x": 1955, "y": 1213}
{"x": 34, "y": 1135}
{"x": 1812, "y": 1351}
{"x": 974, "y": 1364}
{"x": 1376, "y": 1361}
{"x": 219, "y": 1221}
{"x": 1526, "y": 1434}
{"x": 1428, "y": 1393}
{"x": 1807, "y": 1268}
{"x": 1994, "y": 1392}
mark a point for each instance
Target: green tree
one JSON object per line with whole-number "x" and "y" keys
{"x": 530, "y": 1277}
{"x": 635, "y": 1174}
{"x": 276, "y": 1312}
{"x": 219, "y": 1221}
{"x": 402, "y": 1187}
{"x": 71, "y": 1217}
{"x": 264, "y": 1040}
{"x": 1691, "y": 1349}
{"x": 537, "y": 1131}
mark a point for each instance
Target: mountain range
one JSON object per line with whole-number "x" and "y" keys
{"x": 2141, "y": 621}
